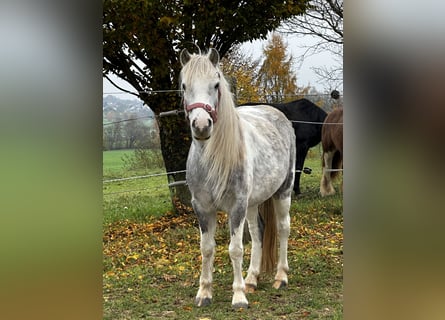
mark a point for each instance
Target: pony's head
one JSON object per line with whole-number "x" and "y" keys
{"x": 200, "y": 84}
{"x": 214, "y": 122}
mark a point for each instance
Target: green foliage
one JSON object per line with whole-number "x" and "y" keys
{"x": 143, "y": 159}
{"x": 145, "y": 29}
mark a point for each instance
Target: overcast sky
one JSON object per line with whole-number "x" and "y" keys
{"x": 296, "y": 46}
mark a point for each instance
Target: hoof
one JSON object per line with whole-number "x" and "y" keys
{"x": 249, "y": 288}
{"x": 202, "y": 302}
{"x": 279, "y": 284}
{"x": 240, "y": 305}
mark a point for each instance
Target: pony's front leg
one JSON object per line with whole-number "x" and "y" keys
{"x": 236, "y": 250}
{"x": 207, "y": 226}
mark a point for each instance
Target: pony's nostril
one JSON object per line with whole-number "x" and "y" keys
{"x": 210, "y": 122}
{"x": 194, "y": 123}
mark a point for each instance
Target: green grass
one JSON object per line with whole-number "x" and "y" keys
{"x": 152, "y": 259}
{"x": 135, "y": 199}
{"x": 113, "y": 161}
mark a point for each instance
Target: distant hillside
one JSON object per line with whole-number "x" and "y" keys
{"x": 115, "y": 109}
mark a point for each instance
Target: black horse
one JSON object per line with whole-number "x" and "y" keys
{"x": 307, "y": 135}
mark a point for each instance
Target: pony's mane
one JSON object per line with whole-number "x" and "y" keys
{"x": 225, "y": 150}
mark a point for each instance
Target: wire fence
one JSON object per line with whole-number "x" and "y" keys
{"x": 177, "y": 112}
{"x": 240, "y": 96}
{"x": 144, "y": 176}
{"x": 177, "y": 183}
{"x": 129, "y": 119}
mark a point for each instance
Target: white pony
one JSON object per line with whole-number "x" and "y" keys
{"x": 239, "y": 159}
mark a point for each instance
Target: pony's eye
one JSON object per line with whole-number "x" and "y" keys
{"x": 217, "y": 86}
{"x": 183, "y": 86}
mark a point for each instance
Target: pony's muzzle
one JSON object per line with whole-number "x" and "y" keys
{"x": 202, "y": 126}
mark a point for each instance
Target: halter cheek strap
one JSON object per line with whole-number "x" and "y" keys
{"x": 206, "y": 107}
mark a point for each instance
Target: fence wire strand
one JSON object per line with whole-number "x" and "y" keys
{"x": 183, "y": 171}
{"x": 144, "y": 176}
{"x": 169, "y": 185}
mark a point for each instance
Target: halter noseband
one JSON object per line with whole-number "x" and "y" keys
{"x": 212, "y": 112}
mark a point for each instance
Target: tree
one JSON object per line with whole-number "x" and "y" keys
{"x": 242, "y": 71}
{"x": 142, "y": 40}
{"x": 135, "y": 132}
{"x": 276, "y": 79}
{"x": 112, "y": 136}
{"x": 324, "y": 21}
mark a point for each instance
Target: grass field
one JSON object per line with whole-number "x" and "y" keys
{"x": 113, "y": 162}
{"x": 137, "y": 199}
{"x": 152, "y": 257}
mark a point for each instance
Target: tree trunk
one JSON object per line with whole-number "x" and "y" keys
{"x": 175, "y": 141}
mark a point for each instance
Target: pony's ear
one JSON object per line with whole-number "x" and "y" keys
{"x": 213, "y": 56}
{"x": 184, "y": 57}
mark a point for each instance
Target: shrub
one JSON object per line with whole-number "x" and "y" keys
{"x": 143, "y": 159}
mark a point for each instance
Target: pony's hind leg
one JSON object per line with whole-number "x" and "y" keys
{"x": 207, "y": 226}
{"x": 256, "y": 233}
{"x": 282, "y": 207}
{"x": 326, "y": 188}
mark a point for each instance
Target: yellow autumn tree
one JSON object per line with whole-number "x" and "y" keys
{"x": 277, "y": 82}
{"x": 242, "y": 71}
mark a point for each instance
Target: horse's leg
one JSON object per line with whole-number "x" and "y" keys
{"x": 301, "y": 155}
{"x": 282, "y": 207}
{"x": 256, "y": 234}
{"x": 207, "y": 226}
{"x": 326, "y": 187}
{"x": 237, "y": 218}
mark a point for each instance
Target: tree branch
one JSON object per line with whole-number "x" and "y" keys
{"x": 120, "y": 88}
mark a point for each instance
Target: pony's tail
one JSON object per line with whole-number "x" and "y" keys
{"x": 336, "y": 164}
{"x": 269, "y": 250}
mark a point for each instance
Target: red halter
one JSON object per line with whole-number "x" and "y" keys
{"x": 212, "y": 112}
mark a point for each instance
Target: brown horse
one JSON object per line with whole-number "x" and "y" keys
{"x": 332, "y": 144}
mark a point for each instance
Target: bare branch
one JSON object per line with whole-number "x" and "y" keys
{"x": 119, "y": 87}
{"x": 324, "y": 21}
